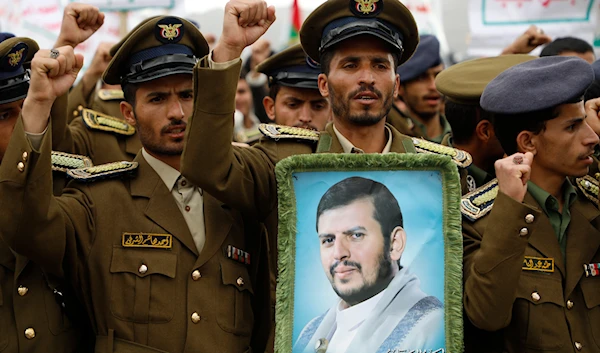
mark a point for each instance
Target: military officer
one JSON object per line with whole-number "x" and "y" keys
{"x": 359, "y": 45}
{"x": 531, "y": 260}
{"x": 417, "y": 90}
{"x": 472, "y": 129}
{"x": 161, "y": 265}
{"x": 294, "y": 98}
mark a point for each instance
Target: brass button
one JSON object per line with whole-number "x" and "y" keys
{"x": 21, "y": 166}
{"x": 196, "y": 275}
{"x": 143, "y": 269}
{"x": 30, "y": 333}
{"x": 536, "y": 296}
{"x": 195, "y": 318}
{"x": 523, "y": 232}
{"x": 240, "y": 281}
{"x": 25, "y": 155}
{"x": 529, "y": 218}
{"x": 75, "y": 113}
{"x": 22, "y": 290}
{"x": 570, "y": 304}
{"x": 578, "y": 346}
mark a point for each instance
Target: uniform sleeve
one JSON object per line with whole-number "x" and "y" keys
{"x": 78, "y": 98}
{"x": 244, "y": 178}
{"x": 33, "y": 222}
{"x": 494, "y": 247}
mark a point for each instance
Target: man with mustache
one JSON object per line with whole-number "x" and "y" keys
{"x": 361, "y": 236}
{"x": 531, "y": 262}
{"x": 160, "y": 265}
{"x": 423, "y": 102}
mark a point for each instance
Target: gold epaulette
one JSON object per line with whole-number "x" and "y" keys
{"x": 461, "y": 158}
{"x": 103, "y": 171}
{"x": 479, "y": 202}
{"x": 277, "y": 132}
{"x": 99, "y": 121}
{"x": 111, "y": 94}
{"x": 61, "y": 161}
{"x": 589, "y": 187}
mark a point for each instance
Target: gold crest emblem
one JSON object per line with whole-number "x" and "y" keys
{"x": 170, "y": 31}
{"x": 15, "y": 58}
{"x": 366, "y": 6}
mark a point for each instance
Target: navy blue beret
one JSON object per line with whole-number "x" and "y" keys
{"x": 537, "y": 84}
{"x": 596, "y": 67}
{"x": 425, "y": 57}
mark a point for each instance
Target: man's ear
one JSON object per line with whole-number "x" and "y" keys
{"x": 526, "y": 142}
{"x": 396, "y": 86}
{"x": 484, "y": 130}
{"x": 127, "y": 112}
{"x": 323, "y": 88}
{"x": 397, "y": 243}
{"x": 269, "y": 105}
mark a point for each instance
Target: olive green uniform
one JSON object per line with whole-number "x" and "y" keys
{"x": 103, "y": 101}
{"x": 518, "y": 282}
{"x": 145, "y": 298}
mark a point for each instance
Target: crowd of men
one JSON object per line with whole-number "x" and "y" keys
{"x": 139, "y": 206}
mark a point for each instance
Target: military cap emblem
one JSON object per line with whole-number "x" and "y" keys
{"x": 169, "y": 30}
{"x": 15, "y": 57}
{"x": 366, "y": 8}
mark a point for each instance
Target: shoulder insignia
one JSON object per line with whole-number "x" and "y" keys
{"x": 98, "y": 121}
{"x": 479, "y": 202}
{"x": 277, "y": 132}
{"x": 589, "y": 187}
{"x": 103, "y": 171}
{"x": 61, "y": 161}
{"x": 461, "y": 158}
{"x": 110, "y": 94}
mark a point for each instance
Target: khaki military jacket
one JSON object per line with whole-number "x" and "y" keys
{"x": 95, "y": 100}
{"x": 403, "y": 124}
{"x": 125, "y": 245}
{"x": 516, "y": 281}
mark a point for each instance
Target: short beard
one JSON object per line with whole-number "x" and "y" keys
{"x": 341, "y": 108}
{"x": 151, "y": 145}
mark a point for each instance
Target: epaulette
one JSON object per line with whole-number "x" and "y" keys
{"x": 278, "y": 132}
{"x": 61, "y": 161}
{"x": 248, "y": 136}
{"x": 461, "y": 158}
{"x": 111, "y": 94}
{"x": 479, "y": 202}
{"x": 589, "y": 187}
{"x": 103, "y": 171}
{"x": 98, "y": 121}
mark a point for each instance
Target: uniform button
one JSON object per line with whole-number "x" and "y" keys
{"x": 536, "y": 296}
{"x": 578, "y": 346}
{"x": 75, "y": 113}
{"x": 22, "y": 290}
{"x": 570, "y": 304}
{"x": 30, "y": 333}
{"x": 143, "y": 269}
{"x": 529, "y": 218}
{"x": 195, "y": 318}
{"x": 240, "y": 281}
{"x": 25, "y": 155}
{"x": 21, "y": 166}
{"x": 523, "y": 232}
{"x": 187, "y": 208}
{"x": 196, "y": 275}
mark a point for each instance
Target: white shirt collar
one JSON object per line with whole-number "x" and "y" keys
{"x": 347, "y": 146}
{"x": 349, "y": 319}
{"x": 168, "y": 174}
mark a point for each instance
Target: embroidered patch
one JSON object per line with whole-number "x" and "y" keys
{"x": 15, "y": 57}
{"x": 99, "y": 121}
{"x": 169, "y": 30}
{"x": 461, "y": 158}
{"x": 277, "y": 132}
{"x": 479, "y": 202}
{"x": 103, "y": 171}
{"x": 111, "y": 94}
{"x": 589, "y": 187}
{"x": 540, "y": 264}
{"x": 366, "y": 8}
{"x": 147, "y": 240}
{"x": 61, "y": 161}
{"x": 592, "y": 270}
{"x": 238, "y": 255}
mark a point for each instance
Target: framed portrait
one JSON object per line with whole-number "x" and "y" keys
{"x": 370, "y": 254}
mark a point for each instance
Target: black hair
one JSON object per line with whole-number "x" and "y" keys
{"x": 129, "y": 90}
{"x": 561, "y": 45}
{"x": 463, "y": 119}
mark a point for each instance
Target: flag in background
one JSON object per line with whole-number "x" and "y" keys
{"x": 296, "y": 23}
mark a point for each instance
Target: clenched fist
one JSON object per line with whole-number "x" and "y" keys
{"x": 513, "y": 172}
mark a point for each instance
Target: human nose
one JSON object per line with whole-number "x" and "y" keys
{"x": 305, "y": 115}
{"x": 176, "y": 109}
{"x": 591, "y": 138}
{"x": 340, "y": 250}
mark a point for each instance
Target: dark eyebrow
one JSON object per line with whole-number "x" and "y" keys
{"x": 157, "y": 94}
{"x": 575, "y": 120}
{"x": 354, "y": 229}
